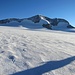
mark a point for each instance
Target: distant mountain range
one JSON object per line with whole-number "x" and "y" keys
{"x": 37, "y": 21}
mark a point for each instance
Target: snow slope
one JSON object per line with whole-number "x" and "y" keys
{"x": 36, "y": 52}
{"x": 61, "y": 26}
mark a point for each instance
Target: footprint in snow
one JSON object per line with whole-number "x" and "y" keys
{"x": 12, "y": 58}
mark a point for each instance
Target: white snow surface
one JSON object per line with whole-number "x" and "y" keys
{"x": 36, "y": 52}
{"x": 60, "y": 26}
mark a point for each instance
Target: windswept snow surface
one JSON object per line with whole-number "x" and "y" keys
{"x": 36, "y": 52}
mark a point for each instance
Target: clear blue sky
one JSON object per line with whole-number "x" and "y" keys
{"x": 27, "y": 8}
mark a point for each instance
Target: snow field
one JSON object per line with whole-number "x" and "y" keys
{"x": 23, "y": 49}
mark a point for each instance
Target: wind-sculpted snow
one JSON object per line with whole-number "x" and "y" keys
{"x": 36, "y": 52}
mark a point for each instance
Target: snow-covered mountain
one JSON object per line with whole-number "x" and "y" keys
{"x": 36, "y": 52}
{"x": 37, "y": 21}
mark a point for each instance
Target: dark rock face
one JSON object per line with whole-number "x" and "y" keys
{"x": 4, "y": 21}
{"x": 48, "y": 26}
{"x": 54, "y": 22}
{"x": 36, "y": 19}
{"x": 69, "y": 26}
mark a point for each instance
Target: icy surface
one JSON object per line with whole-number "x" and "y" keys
{"x": 36, "y": 52}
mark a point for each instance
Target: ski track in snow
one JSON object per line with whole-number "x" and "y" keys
{"x": 22, "y": 49}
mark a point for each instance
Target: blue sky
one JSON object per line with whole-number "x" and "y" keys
{"x": 27, "y": 8}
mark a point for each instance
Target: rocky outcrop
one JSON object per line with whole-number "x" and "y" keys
{"x": 4, "y": 21}
{"x": 35, "y": 19}
{"x": 70, "y": 26}
{"x": 48, "y": 26}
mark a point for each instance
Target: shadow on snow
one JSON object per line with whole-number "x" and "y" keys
{"x": 48, "y": 66}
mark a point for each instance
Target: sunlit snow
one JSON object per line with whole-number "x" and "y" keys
{"x": 36, "y": 52}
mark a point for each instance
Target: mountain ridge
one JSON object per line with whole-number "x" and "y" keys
{"x": 55, "y": 23}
